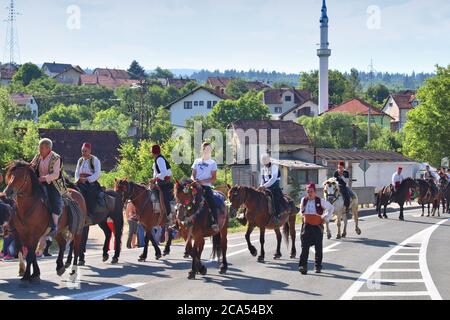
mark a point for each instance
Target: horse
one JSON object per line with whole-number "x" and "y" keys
{"x": 31, "y": 220}
{"x": 444, "y": 194}
{"x": 427, "y": 196}
{"x": 114, "y": 211}
{"x": 333, "y": 195}
{"x": 447, "y": 198}
{"x": 385, "y": 197}
{"x": 141, "y": 198}
{"x": 257, "y": 214}
{"x": 7, "y": 207}
{"x": 194, "y": 216}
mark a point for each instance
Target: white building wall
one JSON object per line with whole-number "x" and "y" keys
{"x": 292, "y": 116}
{"x": 179, "y": 115}
{"x": 380, "y": 173}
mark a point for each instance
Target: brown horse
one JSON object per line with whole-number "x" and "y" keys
{"x": 444, "y": 194}
{"x": 385, "y": 197}
{"x": 258, "y": 215}
{"x": 140, "y": 196}
{"x": 427, "y": 196}
{"x": 31, "y": 220}
{"x": 194, "y": 216}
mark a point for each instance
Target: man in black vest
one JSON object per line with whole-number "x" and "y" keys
{"x": 162, "y": 177}
{"x": 343, "y": 178}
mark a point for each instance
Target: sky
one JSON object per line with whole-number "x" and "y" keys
{"x": 281, "y": 35}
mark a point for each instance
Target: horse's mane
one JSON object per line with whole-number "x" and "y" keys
{"x": 18, "y": 164}
{"x": 259, "y": 195}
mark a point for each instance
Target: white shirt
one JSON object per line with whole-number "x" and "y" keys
{"x": 164, "y": 172}
{"x": 269, "y": 175}
{"x": 396, "y": 178}
{"x": 448, "y": 176}
{"x": 204, "y": 170}
{"x": 85, "y": 168}
{"x": 311, "y": 208}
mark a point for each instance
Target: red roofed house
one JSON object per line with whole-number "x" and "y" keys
{"x": 27, "y": 101}
{"x": 63, "y": 72}
{"x": 109, "y": 78}
{"x": 220, "y": 84}
{"x": 359, "y": 107}
{"x": 398, "y": 105}
{"x": 290, "y": 103}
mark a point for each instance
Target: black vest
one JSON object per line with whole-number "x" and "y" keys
{"x": 156, "y": 164}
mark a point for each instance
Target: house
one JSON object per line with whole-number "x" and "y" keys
{"x": 221, "y": 83}
{"x": 7, "y": 72}
{"x": 176, "y": 83}
{"x": 251, "y": 138}
{"x": 309, "y": 109}
{"x": 68, "y": 144}
{"x": 63, "y": 73}
{"x": 398, "y": 105}
{"x": 286, "y": 100}
{"x": 108, "y": 78}
{"x": 199, "y": 101}
{"x": 382, "y": 164}
{"x": 27, "y": 101}
{"x": 359, "y": 107}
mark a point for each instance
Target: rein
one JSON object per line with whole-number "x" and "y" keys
{"x": 137, "y": 197}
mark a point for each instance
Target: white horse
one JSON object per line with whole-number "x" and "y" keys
{"x": 334, "y": 196}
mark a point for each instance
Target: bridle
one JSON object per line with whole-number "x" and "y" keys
{"x": 127, "y": 196}
{"x": 197, "y": 205}
{"x": 336, "y": 195}
{"x": 239, "y": 200}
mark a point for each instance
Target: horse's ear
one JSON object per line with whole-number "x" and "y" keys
{"x": 229, "y": 187}
{"x": 177, "y": 183}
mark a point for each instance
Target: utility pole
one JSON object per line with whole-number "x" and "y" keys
{"x": 12, "y": 41}
{"x": 369, "y": 120}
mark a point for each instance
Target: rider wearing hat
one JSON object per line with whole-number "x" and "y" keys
{"x": 343, "y": 178}
{"x": 162, "y": 177}
{"x": 270, "y": 180}
{"x": 397, "y": 179}
{"x": 315, "y": 211}
{"x": 47, "y": 165}
{"x": 87, "y": 174}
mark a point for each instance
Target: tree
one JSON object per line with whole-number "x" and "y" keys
{"x": 427, "y": 129}
{"x": 236, "y": 88}
{"x": 69, "y": 116}
{"x": 136, "y": 70}
{"x": 388, "y": 140}
{"x": 338, "y": 85}
{"x": 354, "y": 87}
{"x": 378, "y": 93}
{"x": 111, "y": 119}
{"x": 162, "y": 73}
{"x": 27, "y": 73}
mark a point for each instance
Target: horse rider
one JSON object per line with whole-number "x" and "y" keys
{"x": 204, "y": 171}
{"x": 270, "y": 180}
{"x": 87, "y": 173}
{"x": 315, "y": 212}
{"x": 47, "y": 165}
{"x": 343, "y": 178}
{"x": 430, "y": 177}
{"x": 162, "y": 177}
{"x": 448, "y": 174}
{"x": 397, "y": 180}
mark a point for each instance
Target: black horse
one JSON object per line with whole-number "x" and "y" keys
{"x": 444, "y": 194}
{"x": 387, "y": 196}
{"x": 428, "y": 194}
{"x": 116, "y": 215}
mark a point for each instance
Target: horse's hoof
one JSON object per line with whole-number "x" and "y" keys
{"x": 105, "y": 257}
{"x": 35, "y": 280}
{"x": 81, "y": 263}
{"x": 61, "y": 271}
{"x": 158, "y": 256}
{"x": 293, "y": 255}
{"x": 21, "y": 273}
{"x": 166, "y": 253}
{"x": 385, "y": 216}
{"x": 358, "y": 232}
{"x": 203, "y": 271}
{"x": 344, "y": 235}
{"x": 380, "y": 216}
{"x": 115, "y": 260}
{"x": 277, "y": 256}
{"x": 223, "y": 270}
{"x": 261, "y": 259}
{"x": 253, "y": 252}
{"x": 191, "y": 275}
{"x": 401, "y": 219}
{"x": 67, "y": 265}
{"x": 142, "y": 259}
{"x": 338, "y": 236}
{"x": 329, "y": 236}
{"x": 186, "y": 255}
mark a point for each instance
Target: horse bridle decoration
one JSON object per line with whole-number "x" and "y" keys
{"x": 334, "y": 196}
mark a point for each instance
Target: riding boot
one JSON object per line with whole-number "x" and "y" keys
{"x": 215, "y": 223}
{"x": 46, "y": 252}
{"x": 53, "y": 225}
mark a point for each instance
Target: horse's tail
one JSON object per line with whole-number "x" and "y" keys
{"x": 216, "y": 249}
{"x": 286, "y": 233}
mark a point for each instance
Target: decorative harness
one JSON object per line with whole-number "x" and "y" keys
{"x": 336, "y": 195}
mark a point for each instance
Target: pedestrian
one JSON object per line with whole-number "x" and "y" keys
{"x": 315, "y": 212}
{"x": 132, "y": 219}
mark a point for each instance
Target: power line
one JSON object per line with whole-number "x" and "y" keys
{"x": 12, "y": 39}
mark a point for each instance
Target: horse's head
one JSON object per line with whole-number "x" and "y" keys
{"x": 237, "y": 197}
{"x": 331, "y": 189}
{"x": 20, "y": 179}
{"x": 188, "y": 195}
{"x": 124, "y": 187}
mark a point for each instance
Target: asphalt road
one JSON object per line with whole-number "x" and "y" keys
{"x": 390, "y": 260}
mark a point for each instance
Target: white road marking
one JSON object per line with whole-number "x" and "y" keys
{"x": 422, "y": 238}
{"x": 100, "y": 294}
{"x": 402, "y": 261}
{"x": 329, "y": 248}
{"x": 397, "y": 280}
{"x": 406, "y": 254}
{"x": 393, "y": 294}
{"x": 397, "y": 270}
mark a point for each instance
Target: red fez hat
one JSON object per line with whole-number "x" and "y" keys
{"x": 312, "y": 186}
{"x": 342, "y": 164}
{"x": 87, "y": 145}
{"x": 156, "y": 149}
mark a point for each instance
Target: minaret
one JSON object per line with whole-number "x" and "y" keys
{"x": 323, "y": 53}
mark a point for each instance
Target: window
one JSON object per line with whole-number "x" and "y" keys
{"x": 202, "y": 103}
{"x": 214, "y": 103}
{"x": 303, "y": 176}
{"x": 209, "y": 105}
{"x": 278, "y": 110}
{"x": 304, "y": 112}
{"x": 31, "y": 101}
{"x": 195, "y": 103}
{"x": 188, "y": 105}
{"x": 288, "y": 98}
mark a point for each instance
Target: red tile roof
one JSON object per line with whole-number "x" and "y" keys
{"x": 404, "y": 101}
{"x": 104, "y": 81}
{"x": 356, "y": 155}
{"x": 113, "y": 73}
{"x": 274, "y": 96}
{"x": 357, "y": 107}
{"x": 21, "y": 99}
{"x": 178, "y": 83}
{"x": 222, "y": 82}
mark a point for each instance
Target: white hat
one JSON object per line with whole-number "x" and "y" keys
{"x": 265, "y": 159}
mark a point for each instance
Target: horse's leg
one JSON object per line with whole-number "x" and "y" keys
{"x": 143, "y": 256}
{"x": 83, "y": 244}
{"x": 27, "y": 276}
{"x": 423, "y": 209}
{"x": 118, "y": 229}
{"x": 105, "y": 228}
{"x": 169, "y": 242}
{"x": 155, "y": 245}
{"x": 328, "y": 229}
{"x": 21, "y": 264}
{"x": 356, "y": 218}
{"x": 36, "y": 276}
{"x": 338, "y": 224}
{"x": 293, "y": 233}
{"x": 402, "y": 218}
{"x": 278, "y": 252}
{"x": 262, "y": 240}
{"x": 188, "y": 248}
{"x": 385, "y": 211}
{"x": 77, "y": 249}
{"x": 251, "y": 247}
{"x": 193, "y": 272}
{"x": 223, "y": 247}
{"x": 344, "y": 233}
{"x": 429, "y": 210}
{"x": 60, "y": 268}
{"x": 200, "y": 267}
{"x": 69, "y": 256}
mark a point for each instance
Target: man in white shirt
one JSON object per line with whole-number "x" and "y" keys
{"x": 270, "y": 180}
{"x": 162, "y": 177}
{"x": 87, "y": 174}
{"x": 315, "y": 212}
